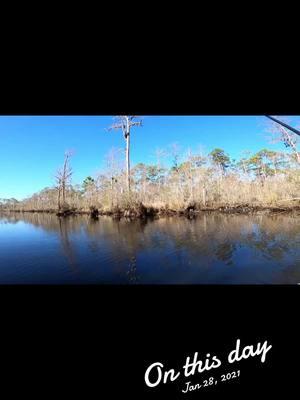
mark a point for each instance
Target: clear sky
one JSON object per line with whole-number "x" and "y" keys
{"x": 32, "y": 148}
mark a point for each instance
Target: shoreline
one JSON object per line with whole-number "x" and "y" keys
{"x": 190, "y": 212}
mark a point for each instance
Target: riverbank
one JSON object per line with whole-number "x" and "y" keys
{"x": 191, "y": 211}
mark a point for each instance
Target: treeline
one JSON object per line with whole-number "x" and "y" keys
{"x": 191, "y": 179}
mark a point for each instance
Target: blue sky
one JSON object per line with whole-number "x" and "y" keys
{"x": 32, "y": 148}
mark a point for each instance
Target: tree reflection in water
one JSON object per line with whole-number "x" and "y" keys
{"x": 67, "y": 247}
{"x": 132, "y": 272}
{"x": 225, "y": 252}
{"x": 257, "y": 248}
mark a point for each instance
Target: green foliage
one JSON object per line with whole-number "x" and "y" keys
{"x": 220, "y": 159}
{"x": 88, "y": 183}
{"x": 148, "y": 173}
{"x": 266, "y": 163}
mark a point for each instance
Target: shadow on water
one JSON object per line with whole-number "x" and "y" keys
{"x": 213, "y": 248}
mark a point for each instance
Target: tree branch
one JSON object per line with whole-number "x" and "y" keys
{"x": 284, "y": 124}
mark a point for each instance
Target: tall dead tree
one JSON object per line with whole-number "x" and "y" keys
{"x": 63, "y": 178}
{"x": 125, "y": 122}
{"x": 285, "y": 134}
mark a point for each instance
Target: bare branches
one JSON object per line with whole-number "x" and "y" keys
{"x": 136, "y": 123}
{"x": 284, "y": 124}
{"x": 63, "y": 176}
{"x": 160, "y": 154}
{"x": 115, "y": 126}
{"x": 125, "y": 122}
{"x": 284, "y": 135}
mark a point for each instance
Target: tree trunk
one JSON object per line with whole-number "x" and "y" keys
{"x": 64, "y": 179}
{"x": 191, "y": 183}
{"x": 128, "y": 160}
{"x": 112, "y": 191}
{"x": 58, "y": 201}
{"x": 144, "y": 188}
{"x": 191, "y": 190}
{"x": 64, "y": 193}
{"x": 204, "y": 195}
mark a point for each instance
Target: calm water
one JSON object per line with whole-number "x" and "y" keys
{"x": 213, "y": 249}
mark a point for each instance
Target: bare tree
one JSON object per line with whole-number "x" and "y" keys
{"x": 125, "y": 122}
{"x": 286, "y": 136}
{"x": 63, "y": 176}
{"x": 174, "y": 152}
{"x": 290, "y": 141}
{"x": 160, "y": 154}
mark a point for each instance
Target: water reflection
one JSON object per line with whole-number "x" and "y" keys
{"x": 212, "y": 248}
{"x": 225, "y": 251}
{"x": 67, "y": 246}
{"x": 132, "y": 272}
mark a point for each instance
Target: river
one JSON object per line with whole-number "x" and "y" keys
{"x": 214, "y": 248}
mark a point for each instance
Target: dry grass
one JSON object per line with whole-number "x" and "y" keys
{"x": 203, "y": 188}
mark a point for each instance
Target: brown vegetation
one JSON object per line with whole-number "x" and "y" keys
{"x": 192, "y": 182}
